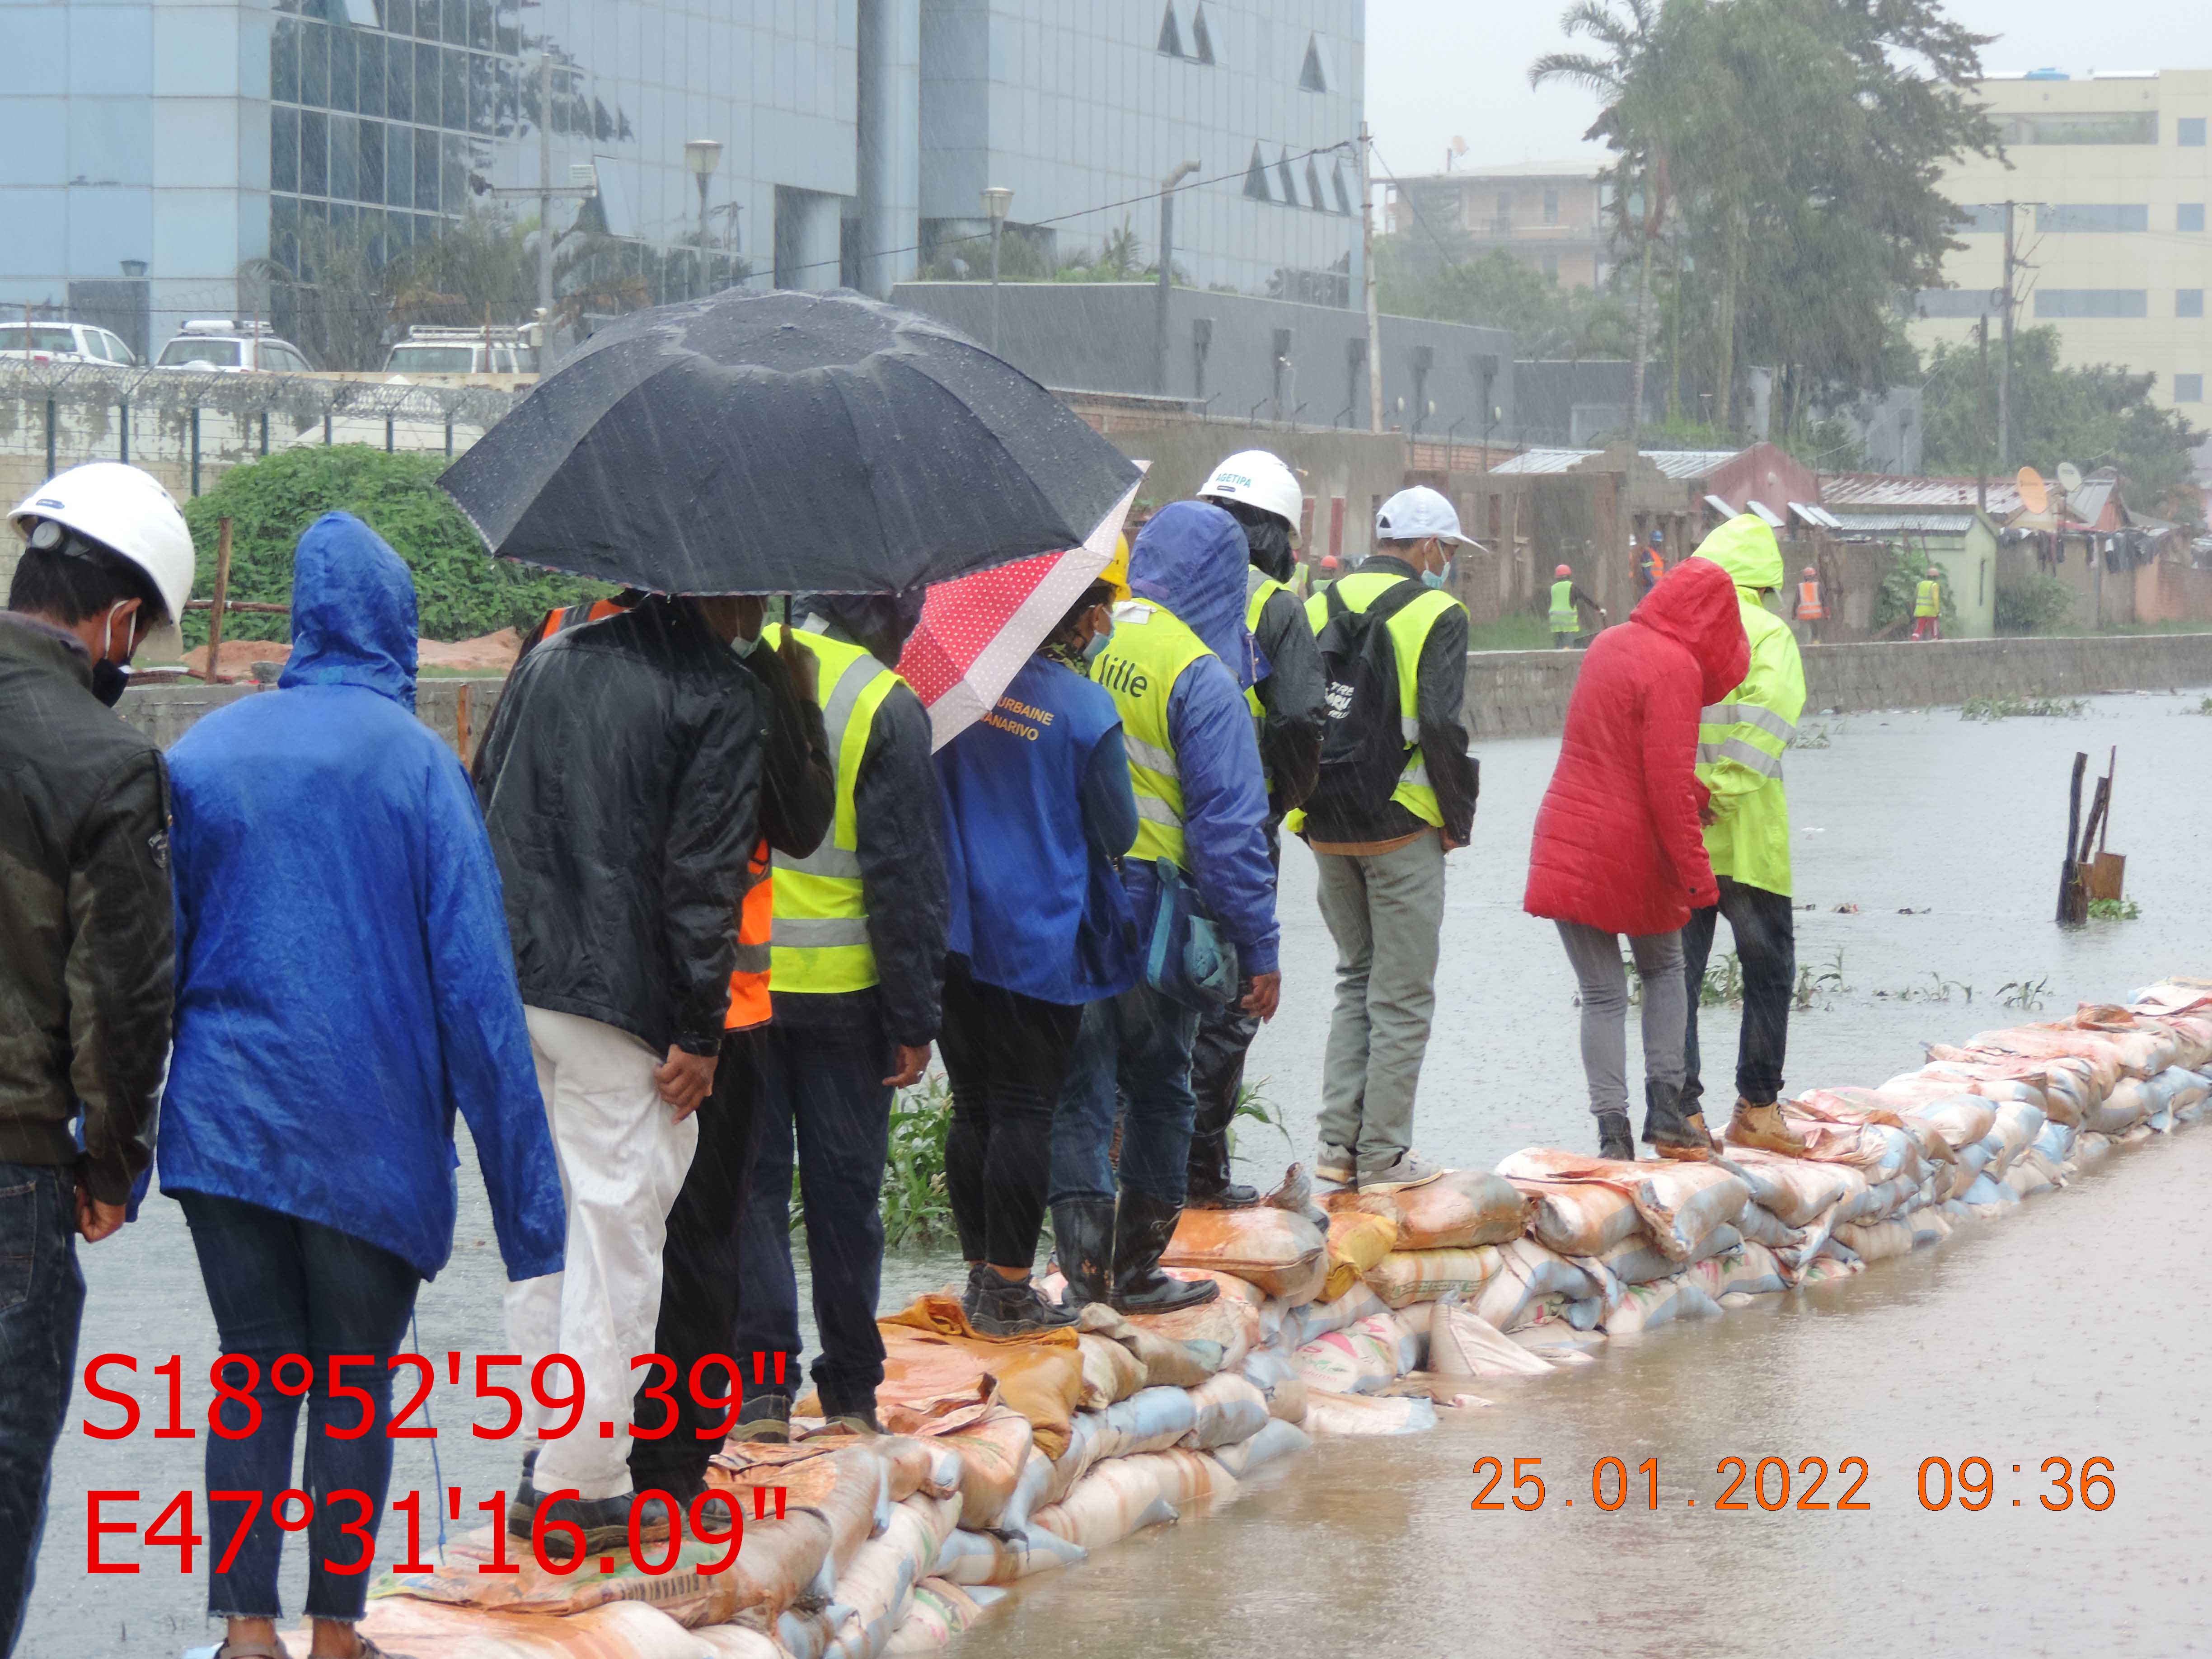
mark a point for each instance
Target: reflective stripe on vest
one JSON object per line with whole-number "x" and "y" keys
{"x": 1927, "y": 599}
{"x": 1263, "y": 587}
{"x": 819, "y": 940}
{"x": 1808, "y": 601}
{"x": 1409, "y": 632}
{"x": 1565, "y": 619}
{"x": 1147, "y": 654}
{"x": 749, "y": 980}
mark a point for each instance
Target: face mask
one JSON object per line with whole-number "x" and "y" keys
{"x": 1433, "y": 579}
{"x": 1094, "y": 648}
{"x": 109, "y": 679}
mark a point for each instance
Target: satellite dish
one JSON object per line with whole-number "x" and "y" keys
{"x": 2069, "y": 477}
{"x": 2034, "y": 495}
{"x": 1458, "y": 145}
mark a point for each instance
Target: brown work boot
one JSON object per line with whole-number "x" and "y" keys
{"x": 1765, "y": 1128}
{"x": 1671, "y": 1131}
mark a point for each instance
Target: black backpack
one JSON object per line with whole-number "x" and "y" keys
{"x": 1362, "y": 747}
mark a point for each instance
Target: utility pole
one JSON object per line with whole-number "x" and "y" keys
{"x": 1982, "y": 412}
{"x": 1166, "y": 275}
{"x": 545, "y": 188}
{"x": 2004, "y": 363}
{"x": 1367, "y": 279}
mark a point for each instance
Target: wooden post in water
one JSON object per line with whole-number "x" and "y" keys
{"x": 214, "y": 675}
{"x": 2072, "y": 906}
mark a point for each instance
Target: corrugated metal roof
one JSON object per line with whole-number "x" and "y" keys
{"x": 1684, "y": 465}
{"x": 1936, "y": 523}
{"x": 1852, "y": 494}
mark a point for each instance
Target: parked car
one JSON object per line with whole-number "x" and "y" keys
{"x": 459, "y": 351}
{"x": 232, "y": 347}
{"x": 63, "y": 342}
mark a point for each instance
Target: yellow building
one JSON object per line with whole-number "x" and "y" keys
{"x": 1550, "y": 216}
{"x": 2109, "y": 176}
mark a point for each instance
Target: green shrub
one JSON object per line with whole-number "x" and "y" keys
{"x": 1899, "y": 588}
{"x": 2033, "y": 607}
{"x": 460, "y": 590}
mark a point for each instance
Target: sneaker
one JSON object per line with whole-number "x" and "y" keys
{"x": 1411, "y": 1170}
{"x": 1616, "y": 1140}
{"x": 764, "y": 1417}
{"x": 997, "y": 1306}
{"x": 603, "y": 1522}
{"x": 1764, "y": 1127}
{"x": 1334, "y": 1163}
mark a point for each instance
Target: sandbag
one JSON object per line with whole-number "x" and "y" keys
{"x": 1274, "y": 1250}
{"x": 618, "y": 1630}
{"x": 1525, "y": 1271}
{"x": 877, "y": 1588}
{"x": 1461, "y": 1343}
{"x": 1223, "y": 1330}
{"x": 1356, "y": 1241}
{"x": 1678, "y": 1203}
{"x": 1229, "y": 1408}
{"x": 1301, "y": 1324}
{"x": 972, "y": 1557}
{"x": 1278, "y": 1439}
{"x": 1406, "y": 1333}
{"x": 1639, "y": 1260}
{"x": 1793, "y": 1189}
{"x": 1365, "y": 1414}
{"x": 1962, "y": 1119}
{"x": 1190, "y": 1480}
{"x": 1277, "y": 1378}
{"x": 992, "y": 1453}
{"x": 1457, "y": 1210}
{"x": 1877, "y": 1241}
{"x": 1931, "y": 1225}
{"x": 1110, "y": 1371}
{"x": 1578, "y": 1218}
{"x": 930, "y": 1354}
{"x": 740, "y": 1642}
{"x": 1646, "y": 1307}
{"x": 1122, "y": 1495}
{"x": 1829, "y": 1268}
{"x": 1161, "y": 1360}
{"x": 1749, "y": 1269}
{"x": 1408, "y": 1276}
{"x": 2029, "y": 1175}
{"x": 1152, "y": 1419}
{"x": 938, "y": 1611}
{"x": 1351, "y": 1361}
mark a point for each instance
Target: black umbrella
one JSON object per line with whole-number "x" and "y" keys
{"x": 775, "y": 443}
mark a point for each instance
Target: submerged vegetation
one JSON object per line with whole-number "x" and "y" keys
{"x": 2035, "y": 704}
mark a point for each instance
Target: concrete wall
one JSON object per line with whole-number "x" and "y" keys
{"x": 1525, "y": 692}
{"x": 164, "y": 712}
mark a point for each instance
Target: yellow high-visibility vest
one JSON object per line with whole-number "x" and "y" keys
{"x": 1565, "y": 619}
{"x": 818, "y": 941}
{"x": 1409, "y": 631}
{"x": 1149, "y": 651}
{"x": 1927, "y": 599}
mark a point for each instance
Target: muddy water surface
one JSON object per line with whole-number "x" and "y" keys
{"x": 2072, "y": 1328}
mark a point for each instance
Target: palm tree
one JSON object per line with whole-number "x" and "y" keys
{"x": 1628, "y": 77}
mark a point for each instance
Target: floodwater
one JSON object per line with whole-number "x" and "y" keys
{"x": 2068, "y": 1329}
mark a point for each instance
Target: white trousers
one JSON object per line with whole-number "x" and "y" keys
{"x": 623, "y": 1160}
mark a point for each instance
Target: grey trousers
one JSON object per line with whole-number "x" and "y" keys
{"x": 1385, "y": 911}
{"x": 1595, "y": 957}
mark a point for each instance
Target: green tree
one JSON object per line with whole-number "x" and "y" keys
{"x": 460, "y": 590}
{"x": 1430, "y": 269}
{"x": 2093, "y": 417}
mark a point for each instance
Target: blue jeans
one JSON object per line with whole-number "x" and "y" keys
{"x": 280, "y": 1286}
{"x": 41, "y": 1300}
{"x": 1139, "y": 1042}
{"x": 822, "y": 1095}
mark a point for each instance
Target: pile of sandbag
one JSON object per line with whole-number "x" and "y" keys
{"x": 1354, "y": 1313}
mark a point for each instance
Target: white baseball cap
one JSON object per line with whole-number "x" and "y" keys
{"x": 1416, "y": 515}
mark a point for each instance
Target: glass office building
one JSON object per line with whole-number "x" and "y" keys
{"x": 857, "y": 135}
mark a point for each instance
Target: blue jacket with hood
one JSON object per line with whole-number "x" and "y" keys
{"x": 1191, "y": 557}
{"x": 343, "y": 978}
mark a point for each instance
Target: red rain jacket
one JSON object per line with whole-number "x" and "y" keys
{"x": 1618, "y": 844}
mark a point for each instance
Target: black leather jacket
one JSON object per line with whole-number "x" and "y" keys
{"x": 620, "y": 782}
{"x": 86, "y": 927}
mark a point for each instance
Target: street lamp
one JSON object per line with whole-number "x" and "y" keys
{"x": 702, "y": 156}
{"x": 997, "y": 198}
{"x": 1166, "y": 275}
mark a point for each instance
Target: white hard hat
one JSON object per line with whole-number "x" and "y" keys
{"x": 1261, "y": 479}
{"x": 126, "y": 511}
{"x": 1414, "y": 514}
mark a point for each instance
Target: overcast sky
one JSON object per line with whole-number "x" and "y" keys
{"x": 1441, "y": 69}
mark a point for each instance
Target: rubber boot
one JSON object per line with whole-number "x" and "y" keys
{"x": 1616, "y": 1139}
{"x": 1668, "y": 1130}
{"x": 1208, "y": 1184}
{"x": 1083, "y": 1243}
{"x": 1142, "y": 1229}
{"x": 1763, "y": 1126}
{"x": 1217, "y": 1078}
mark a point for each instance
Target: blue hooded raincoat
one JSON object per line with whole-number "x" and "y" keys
{"x": 1192, "y": 557}
{"x": 343, "y": 977}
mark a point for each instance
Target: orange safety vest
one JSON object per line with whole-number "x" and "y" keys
{"x": 1808, "y": 603}
{"x": 576, "y": 616}
{"x": 749, "y": 1004}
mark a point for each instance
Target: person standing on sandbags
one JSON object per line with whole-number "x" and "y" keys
{"x": 1397, "y": 793}
{"x": 1039, "y": 815}
{"x": 1288, "y": 707}
{"x": 1177, "y": 666}
{"x": 1617, "y": 848}
{"x": 1741, "y": 739}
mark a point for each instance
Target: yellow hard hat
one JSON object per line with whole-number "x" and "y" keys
{"x": 1116, "y": 572}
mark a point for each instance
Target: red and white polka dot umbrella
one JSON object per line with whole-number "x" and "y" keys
{"x": 977, "y": 630}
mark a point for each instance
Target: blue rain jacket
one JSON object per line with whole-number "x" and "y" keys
{"x": 1192, "y": 557}
{"x": 343, "y": 978}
